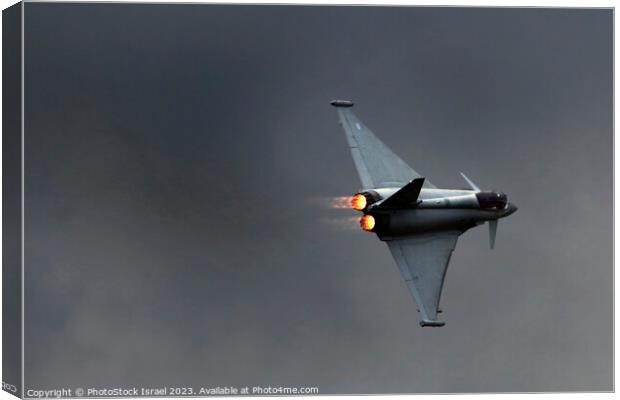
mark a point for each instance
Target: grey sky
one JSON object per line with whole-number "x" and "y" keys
{"x": 175, "y": 153}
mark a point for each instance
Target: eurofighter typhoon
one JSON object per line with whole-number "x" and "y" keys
{"x": 419, "y": 222}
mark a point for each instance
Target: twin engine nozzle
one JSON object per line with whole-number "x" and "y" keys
{"x": 361, "y": 202}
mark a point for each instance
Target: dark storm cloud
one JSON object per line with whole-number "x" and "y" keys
{"x": 173, "y": 152}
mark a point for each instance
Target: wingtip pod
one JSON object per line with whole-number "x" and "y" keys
{"x": 341, "y": 103}
{"x": 433, "y": 324}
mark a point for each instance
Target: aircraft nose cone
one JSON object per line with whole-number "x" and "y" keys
{"x": 512, "y": 208}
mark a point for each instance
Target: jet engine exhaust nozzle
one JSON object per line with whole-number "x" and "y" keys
{"x": 367, "y": 222}
{"x": 361, "y": 201}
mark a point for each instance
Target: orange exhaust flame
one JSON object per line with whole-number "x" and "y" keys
{"x": 340, "y": 202}
{"x": 367, "y": 222}
{"x": 358, "y": 202}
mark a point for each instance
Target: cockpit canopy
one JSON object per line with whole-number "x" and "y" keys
{"x": 492, "y": 200}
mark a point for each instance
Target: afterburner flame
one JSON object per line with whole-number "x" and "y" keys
{"x": 340, "y": 202}
{"x": 367, "y": 222}
{"x": 358, "y": 202}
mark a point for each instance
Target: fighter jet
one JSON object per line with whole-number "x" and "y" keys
{"x": 419, "y": 222}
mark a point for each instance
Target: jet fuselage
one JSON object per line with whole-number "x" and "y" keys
{"x": 419, "y": 222}
{"x": 435, "y": 210}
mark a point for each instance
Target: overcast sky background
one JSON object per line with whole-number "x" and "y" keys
{"x": 178, "y": 156}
